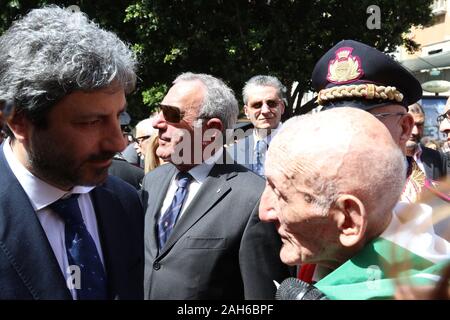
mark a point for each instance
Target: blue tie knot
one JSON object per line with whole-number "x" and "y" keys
{"x": 67, "y": 208}
{"x": 183, "y": 178}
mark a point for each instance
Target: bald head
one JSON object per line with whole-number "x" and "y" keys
{"x": 333, "y": 180}
{"x": 342, "y": 149}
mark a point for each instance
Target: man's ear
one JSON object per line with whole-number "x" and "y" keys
{"x": 351, "y": 220}
{"x": 407, "y": 125}
{"x": 282, "y": 107}
{"x": 19, "y": 126}
{"x": 216, "y": 124}
{"x": 246, "y": 111}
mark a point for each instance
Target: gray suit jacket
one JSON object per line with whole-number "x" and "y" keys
{"x": 219, "y": 249}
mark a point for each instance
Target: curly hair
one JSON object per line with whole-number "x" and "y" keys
{"x": 52, "y": 52}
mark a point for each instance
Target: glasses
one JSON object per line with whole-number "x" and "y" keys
{"x": 443, "y": 116}
{"x": 171, "y": 113}
{"x": 383, "y": 115}
{"x": 272, "y": 104}
{"x": 141, "y": 139}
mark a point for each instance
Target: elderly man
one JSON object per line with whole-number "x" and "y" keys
{"x": 203, "y": 237}
{"x": 428, "y": 163}
{"x": 264, "y": 104}
{"x": 332, "y": 212}
{"x": 67, "y": 230}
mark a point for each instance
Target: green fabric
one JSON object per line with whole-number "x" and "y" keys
{"x": 368, "y": 275}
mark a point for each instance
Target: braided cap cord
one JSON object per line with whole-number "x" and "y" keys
{"x": 366, "y": 91}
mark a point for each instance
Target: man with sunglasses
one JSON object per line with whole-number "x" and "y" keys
{"x": 264, "y": 103}
{"x": 431, "y": 163}
{"x": 203, "y": 237}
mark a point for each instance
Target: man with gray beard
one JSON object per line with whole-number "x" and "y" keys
{"x": 67, "y": 229}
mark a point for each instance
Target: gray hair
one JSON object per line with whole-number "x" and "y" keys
{"x": 416, "y": 108}
{"x": 145, "y": 127}
{"x": 52, "y": 52}
{"x": 263, "y": 81}
{"x": 219, "y": 100}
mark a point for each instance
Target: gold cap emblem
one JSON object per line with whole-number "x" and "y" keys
{"x": 344, "y": 68}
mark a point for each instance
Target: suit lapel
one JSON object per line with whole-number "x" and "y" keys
{"x": 24, "y": 243}
{"x": 211, "y": 192}
{"x": 108, "y": 212}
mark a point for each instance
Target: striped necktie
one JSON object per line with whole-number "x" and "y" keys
{"x": 167, "y": 221}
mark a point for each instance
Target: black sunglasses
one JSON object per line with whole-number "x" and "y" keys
{"x": 171, "y": 114}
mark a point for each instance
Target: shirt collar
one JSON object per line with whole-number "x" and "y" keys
{"x": 267, "y": 139}
{"x": 417, "y": 153}
{"x": 201, "y": 171}
{"x": 40, "y": 193}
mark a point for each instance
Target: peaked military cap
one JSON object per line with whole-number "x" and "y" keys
{"x": 356, "y": 75}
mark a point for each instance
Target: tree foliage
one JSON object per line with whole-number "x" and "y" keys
{"x": 236, "y": 39}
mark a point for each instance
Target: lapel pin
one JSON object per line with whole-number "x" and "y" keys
{"x": 218, "y": 190}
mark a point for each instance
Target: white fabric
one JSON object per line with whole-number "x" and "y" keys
{"x": 411, "y": 227}
{"x": 416, "y": 156}
{"x": 199, "y": 174}
{"x": 267, "y": 139}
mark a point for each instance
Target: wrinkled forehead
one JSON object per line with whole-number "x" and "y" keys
{"x": 258, "y": 92}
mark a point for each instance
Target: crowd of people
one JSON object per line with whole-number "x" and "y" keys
{"x": 346, "y": 199}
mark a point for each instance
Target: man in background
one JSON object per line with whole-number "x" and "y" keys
{"x": 67, "y": 229}
{"x": 430, "y": 162}
{"x": 264, "y": 104}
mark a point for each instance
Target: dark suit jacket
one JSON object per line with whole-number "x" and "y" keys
{"x": 28, "y": 267}
{"x": 243, "y": 153}
{"x": 434, "y": 164}
{"x": 219, "y": 249}
{"x": 127, "y": 172}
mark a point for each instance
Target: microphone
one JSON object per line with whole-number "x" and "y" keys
{"x": 295, "y": 289}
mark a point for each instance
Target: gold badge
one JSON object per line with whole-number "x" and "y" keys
{"x": 345, "y": 67}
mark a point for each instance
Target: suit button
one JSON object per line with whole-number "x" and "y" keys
{"x": 156, "y": 266}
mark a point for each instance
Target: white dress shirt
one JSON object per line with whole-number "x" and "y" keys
{"x": 199, "y": 174}
{"x": 267, "y": 139}
{"x": 41, "y": 195}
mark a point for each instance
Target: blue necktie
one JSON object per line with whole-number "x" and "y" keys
{"x": 169, "y": 218}
{"x": 81, "y": 250}
{"x": 261, "y": 148}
